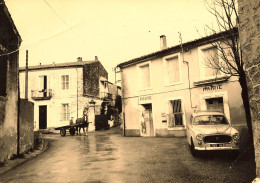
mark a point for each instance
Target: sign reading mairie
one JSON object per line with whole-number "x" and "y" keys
{"x": 212, "y": 87}
{"x": 145, "y": 99}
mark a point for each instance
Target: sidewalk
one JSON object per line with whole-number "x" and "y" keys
{"x": 12, "y": 163}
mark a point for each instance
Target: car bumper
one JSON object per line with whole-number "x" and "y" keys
{"x": 216, "y": 148}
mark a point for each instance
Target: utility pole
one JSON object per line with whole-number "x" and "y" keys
{"x": 26, "y": 76}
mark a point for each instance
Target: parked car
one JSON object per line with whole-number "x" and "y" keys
{"x": 210, "y": 130}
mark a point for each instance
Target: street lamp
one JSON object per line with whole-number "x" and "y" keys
{"x": 92, "y": 104}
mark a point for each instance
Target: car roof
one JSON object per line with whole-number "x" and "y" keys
{"x": 200, "y": 113}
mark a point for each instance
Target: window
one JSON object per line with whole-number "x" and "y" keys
{"x": 175, "y": 116}
{"x": 43, "y": 85}
{"x": 144, "y": 76}
{"x": 65, "y": 82}
{"x": 172, "y": 70}
{"x": 65, "y": 115}
{"x": 211, "y": 61}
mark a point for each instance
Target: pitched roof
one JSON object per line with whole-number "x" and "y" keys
{"x": 178, "y": 48}
{"x": 58, "y": 65}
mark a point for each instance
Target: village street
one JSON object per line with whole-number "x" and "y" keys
{"x": 107, "y": 156}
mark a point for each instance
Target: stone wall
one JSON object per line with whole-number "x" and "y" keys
{"x": 249, "y": 31}
{"x": 91, "y": 74}
{"x": 9, "y": 112}
{"x": 26, "y": 125}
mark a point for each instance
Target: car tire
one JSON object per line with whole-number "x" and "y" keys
{"x": 236, "y": 153}
{"x": 192, "y": 149}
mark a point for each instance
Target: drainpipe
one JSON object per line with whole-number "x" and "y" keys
{"x": 189, "y": 84}
{"x": 183, "y": 60}
{"x": 122, "y": 99}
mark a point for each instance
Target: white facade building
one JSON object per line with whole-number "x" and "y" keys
{"x": 161, "y": 90}
{"x": 62, "y": 91}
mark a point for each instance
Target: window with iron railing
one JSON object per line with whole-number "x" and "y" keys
{"x": 175, "y": 116}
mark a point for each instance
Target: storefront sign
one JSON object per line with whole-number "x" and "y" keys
{"x": 145, "y": 99}
{"x": 212, "y": 87}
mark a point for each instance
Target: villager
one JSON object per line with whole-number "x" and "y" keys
{"x": 71, "y": 121}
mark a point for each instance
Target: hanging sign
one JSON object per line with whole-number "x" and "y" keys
{"x": 145, "y": 99}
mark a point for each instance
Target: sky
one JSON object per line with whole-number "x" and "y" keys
{"x": 113, "y": 30}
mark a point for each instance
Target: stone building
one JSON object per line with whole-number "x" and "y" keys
{"x": 161, "y": 90}
{"x": 249, "y": 31}
{"x": 16, "y": 121}
{"x": 63, "y": 90}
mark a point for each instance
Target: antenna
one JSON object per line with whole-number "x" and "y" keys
{"x": 180, "y": 37}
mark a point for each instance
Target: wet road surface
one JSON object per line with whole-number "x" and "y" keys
{"x": 106, "y": 156}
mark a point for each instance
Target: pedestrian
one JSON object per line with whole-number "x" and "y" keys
{"x": 85, "y": 119}
{"x": 71, "y": 121}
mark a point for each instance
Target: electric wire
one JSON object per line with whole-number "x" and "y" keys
{"x": 9, "y": 53}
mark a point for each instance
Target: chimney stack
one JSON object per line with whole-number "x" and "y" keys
{"x": 163, "y": 44}
{"x": 79, "y": 59}
{"x": 96, "y": 58}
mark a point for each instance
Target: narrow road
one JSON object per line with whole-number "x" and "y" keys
{"x": 106, "y": 156}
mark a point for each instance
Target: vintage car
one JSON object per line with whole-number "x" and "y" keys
{"x": 210, "y": 130}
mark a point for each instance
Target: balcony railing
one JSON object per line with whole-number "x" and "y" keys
{"x": 41, "y": 94}
{"x": 175, "y": 120}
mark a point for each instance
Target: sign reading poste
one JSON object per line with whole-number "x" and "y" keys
{"x": 145, "y": 99}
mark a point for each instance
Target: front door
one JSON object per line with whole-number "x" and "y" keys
{"x": 147, "y": 126}
{"x": 42, "y": 116}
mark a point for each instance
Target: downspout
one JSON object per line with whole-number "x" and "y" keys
{"x": 122, "y": 99}
{"x": 183, "y": 60}
{"x": 189, "y": 83}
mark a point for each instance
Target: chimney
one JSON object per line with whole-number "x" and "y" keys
{"x": 79, "y": 59}
{"x": 163, "y": 44}
{"x": 96, "y": 58}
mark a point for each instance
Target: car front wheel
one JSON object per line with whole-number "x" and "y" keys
{"x": 192, "y": 149}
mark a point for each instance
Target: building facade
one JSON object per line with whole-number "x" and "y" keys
{"x": 16, "y": 121}
{"x": 62, "y": 91}
{"x": 161, "y": 90}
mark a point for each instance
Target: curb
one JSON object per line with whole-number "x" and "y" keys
{"x": 11, "y": 164}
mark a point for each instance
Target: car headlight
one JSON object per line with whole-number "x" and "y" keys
{"x": 199, "y": 137}
{"x": 236, "y": 136}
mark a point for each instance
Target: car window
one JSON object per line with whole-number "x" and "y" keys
{"x": 210, "y": 120}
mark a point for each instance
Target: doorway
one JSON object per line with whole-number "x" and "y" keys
{"x": 43, "y": 85}
{"x": 215, "y": 104}
{"x": 147, "y": 124}
{"x": 42, "y": 116}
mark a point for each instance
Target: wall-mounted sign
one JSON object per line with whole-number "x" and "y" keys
{"x": 212, "y": 87}
{"x": 145, "y": 99}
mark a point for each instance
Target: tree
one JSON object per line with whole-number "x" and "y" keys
{"x": 229, "y": 50}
